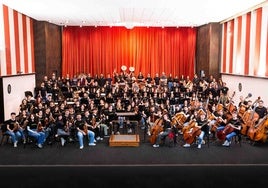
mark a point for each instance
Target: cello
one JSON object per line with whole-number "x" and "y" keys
{"x": 156, "y": 129}
{"x": 178, "y": 120}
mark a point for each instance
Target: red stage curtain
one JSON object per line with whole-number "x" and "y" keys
{"x": 153, "y": 50}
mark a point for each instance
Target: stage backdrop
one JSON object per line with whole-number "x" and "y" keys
{"x": 152, "y": 50}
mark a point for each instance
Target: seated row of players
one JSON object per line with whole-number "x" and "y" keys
{"x": 215, "y": 120}
{"x": 47, "y": 123}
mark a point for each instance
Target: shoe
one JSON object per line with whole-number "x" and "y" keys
{"x": 225, "y": 143}
{"x": 106, "y": 136}
{"x": 155, "y": 145}
{"x": 203, "y": 142}
{"x": 62, "y": 141}
{"x": 15, "y": 144}
{"x": 186, "y": 145}
{"x": 92, "y": 144}
{"x": 101, "y": 138}
{"x": 95, "y": 140}
{"x": 117, "y": 132}
{"x": 199, "y": 146}
{"x": 24, "y": 141}
{"x": 81, "y": 147}
{"x": 98, "y": 138}
{"x": 39, "y": 146}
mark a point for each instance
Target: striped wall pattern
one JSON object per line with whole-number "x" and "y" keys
{"x": 245, "y": 44}
{"x": 16, "y": 42}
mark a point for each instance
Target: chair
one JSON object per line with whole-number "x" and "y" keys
{"x": 237, "y": 139}
{"x": 4, "y": 135}
{"x": 29, "y": 140}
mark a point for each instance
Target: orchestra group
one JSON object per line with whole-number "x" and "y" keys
{"x": 85, "y": 108}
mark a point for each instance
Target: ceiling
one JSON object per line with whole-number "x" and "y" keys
{"x": 130, "y": 13}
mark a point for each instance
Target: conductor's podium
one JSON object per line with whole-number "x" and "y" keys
{"x": 124, "y": 140}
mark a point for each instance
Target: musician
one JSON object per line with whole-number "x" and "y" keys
{"x": 233, "y": 123}
{"x": 202, "y": 123}
{"x": 220, "y": 120}
{"x": 93, "y": 120}
{"x": 261, "y": 110}
{"x": 11, "y": 128}
{"x": 32, "y": 130}
{"x": 62, "y": 128}
{"x": 110, "y": 116}
{"x": 166, "y": 129}
{"x": 82, "y": 130}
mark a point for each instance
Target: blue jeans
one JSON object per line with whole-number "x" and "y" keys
{"x": 90, "y": 135}
{"x": 39, "y": 136}
{"x": 230, "y": 136}
{"x": 15, "y": 136}
{"x": 201, "y": 137}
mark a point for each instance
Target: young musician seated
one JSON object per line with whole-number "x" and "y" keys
{"x": 82, "y": 130}
{"x": 165, "y": 131}
{"x": 232, "y": 129}
{"x": 13, "y": 129}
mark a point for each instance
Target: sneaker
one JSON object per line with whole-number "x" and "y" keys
{"x": 92, "y": 144}
{"x": 203, "y": 142}
{"x": 186, "y": 145}
{"x": 15, "y": 144}
{"x": 224, "y": 144}
{"x": 155, "y": 145}
{"x": 24, "y": 141}
{"x": 199, "y": 146}
{"x": 117, "y": 132}
{"x": 227, "y": 144}
{"x": 62, "y": 141}
{"x": 95, "y": 140}
{"x": 98, "y": 138}
{"x": 81, "y": 147}
{"x": 101, "y": 138}
{"x": 39, "y": 146}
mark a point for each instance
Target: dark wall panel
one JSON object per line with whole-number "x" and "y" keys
{"x": 208, "y": 49}
{"x": 47, "y": 44}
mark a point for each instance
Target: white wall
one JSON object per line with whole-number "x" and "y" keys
{"x": 258, "y": 87}
{"x": 19, "y": 84}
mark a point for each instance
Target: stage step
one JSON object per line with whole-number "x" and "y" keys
{"x": 124, "y": 140}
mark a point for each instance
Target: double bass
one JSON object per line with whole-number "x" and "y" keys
{"x": 156, "y": 129}
{"x": 258, "y": 132}
{"x": 249, "y": 118}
